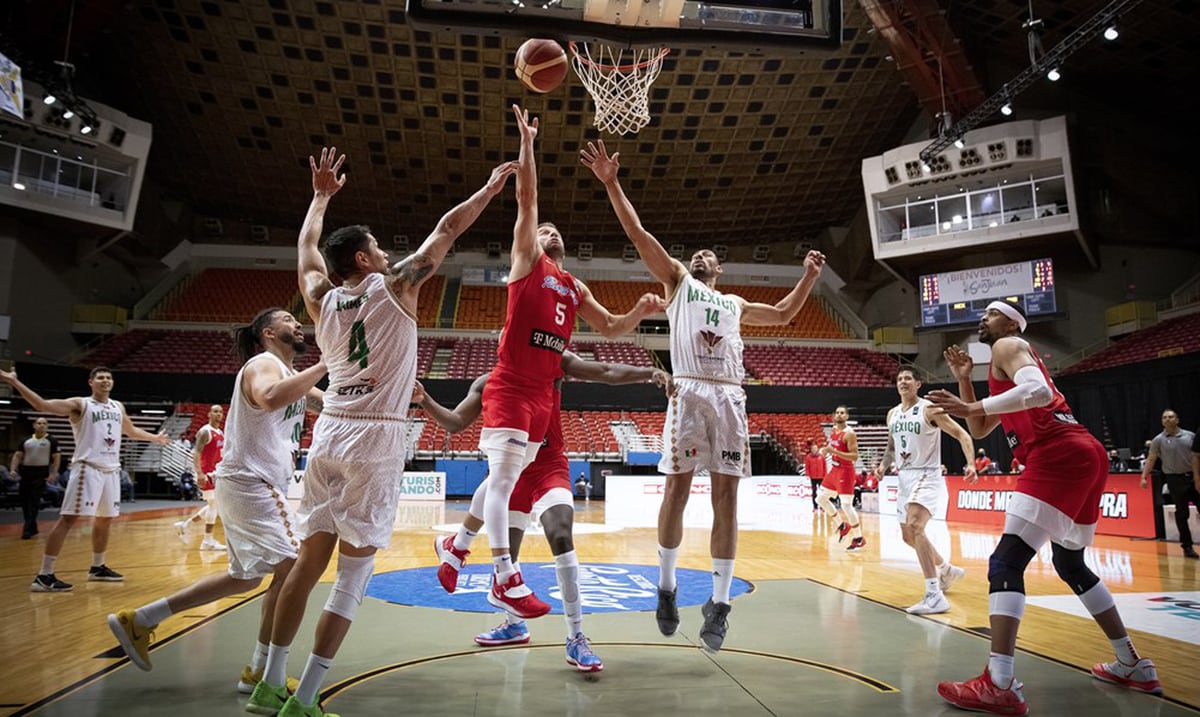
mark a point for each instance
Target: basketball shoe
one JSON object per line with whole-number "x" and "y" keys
{"x": 515, "y": 597}
{"x": 211, "y": 544}
{"x": 134, "y": 638}
{"x": 667, "y": 612}
{"x": 506, "y": 633}
{"x": 712, "y": 633}
{"x": 931, "y": 604}
{"x": 1140, "y": 676}
{"x": 982, "y": 695}
{"x": 949, "y": 576}
{"x": 250, "y": 678}
{"x": 843, "y": 531}
{"x": 452, "y": 561}
{"x": 856, "y": 545}
{"x": 49, "y": 583}
{"x": 293, "y": 708}
{"x": 267, "y": 700}
{"x": 580, "y": 655}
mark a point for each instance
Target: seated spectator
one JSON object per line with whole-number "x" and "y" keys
{"x": 983, "y": 464}
{"x": 127, "y": 487}
{"x": 7, "y": 482}
{"x": 1015, "y": 466}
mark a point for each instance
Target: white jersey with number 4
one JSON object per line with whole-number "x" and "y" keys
{"x": 259, "y": 443}
{"x": 369, "y": 343}
{"x": 917, "y": 442}
{"x": 706, "y": 334}
{"x": 98, "y": 434}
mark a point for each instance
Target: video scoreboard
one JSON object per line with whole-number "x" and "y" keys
{"x": 960, "y": 297}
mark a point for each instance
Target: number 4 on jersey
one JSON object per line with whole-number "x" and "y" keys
{"x": 358, "y": 344}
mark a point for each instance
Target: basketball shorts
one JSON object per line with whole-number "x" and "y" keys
{"x": 511, "y": 410}
{"x": 544, "y": 484}
{"x": 209, "y": 495}
{"x": 841, "y": 480}
{"x": 352, "y": 481}
{"x": 923, "y": 486}
{"x": 260, "y": 528}
{"x": 93, "y": 492}
{"x": 1060, "y": 489}
{"x": 706, "y": 428}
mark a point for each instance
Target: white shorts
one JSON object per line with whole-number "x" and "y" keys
{"x": 260, "y": 528}
{"x": 555, "y": 496}
{"x": 92, "y": 492}
{"x": 209, "y": 495}
{"x": 509, "y": 441}
{"x": 1057, "y": 524}
{"x": 923, "y": 486}
{"x": 352, "y": 481}
{"x": 706, "y": 428}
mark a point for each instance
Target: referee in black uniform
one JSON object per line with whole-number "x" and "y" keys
{"x": 36, "y": 462}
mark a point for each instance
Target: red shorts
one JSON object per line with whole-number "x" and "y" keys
{"x": 521, "y": 407}
{"x": 1068, "y": 474}
{"x": 537, "y": 480}
{"x": 840, "y": 479}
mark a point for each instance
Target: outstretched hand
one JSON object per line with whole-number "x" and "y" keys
{"x": 650, "y": 303}
{"x": 161, "y": 439}
{"x": 959, "y": 361}
{"x": 596, "y": 158}
{"x": 326, "y": 181}
{"x": 499, "y": 176}
{"x": 947, "y": 402}
{"x": 529, "y": 129}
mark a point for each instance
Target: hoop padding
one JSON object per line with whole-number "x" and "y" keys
{"x": 619, "y": 82}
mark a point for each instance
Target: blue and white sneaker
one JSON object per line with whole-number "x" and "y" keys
{"x": 580, "y": 655}
{"x": 506, "y": 633}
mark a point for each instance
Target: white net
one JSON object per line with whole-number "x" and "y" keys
{"x": 619, "y": 82}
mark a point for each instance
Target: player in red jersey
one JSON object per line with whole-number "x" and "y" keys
{"x": 543, "y": 299}
{"x": 842, "y": 447}
{"x": 1057, "y": 499}
{"x": 546, "y": 483}
{"x": 206, "y": 454}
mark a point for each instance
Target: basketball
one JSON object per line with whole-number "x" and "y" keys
{"x": 541, "y": 64}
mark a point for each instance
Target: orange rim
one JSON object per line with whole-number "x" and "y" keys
{"x": 619, "y": 68}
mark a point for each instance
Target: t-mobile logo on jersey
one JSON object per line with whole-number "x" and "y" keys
{"x": 548, "y": 341}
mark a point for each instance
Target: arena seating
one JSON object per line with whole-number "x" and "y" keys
{"x": 812, "y": 322}
{"x": 818, "y": 366}
{"x": 177, "y": 351}
{"x": 229, "y": 295}
{"x": 429, "y": 304}
{"x": 1167, "y": 338}
{"x": 481, "y": 307}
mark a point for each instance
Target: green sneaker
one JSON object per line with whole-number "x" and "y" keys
{"x": 266, "y": 699}
{"x": 293, "y": 708}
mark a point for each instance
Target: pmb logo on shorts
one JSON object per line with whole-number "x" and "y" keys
{"x": 731, "y": 456}
{"x": 602, "y": 587}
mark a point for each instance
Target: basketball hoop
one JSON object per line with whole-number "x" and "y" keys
{"x": 619, "y": 82}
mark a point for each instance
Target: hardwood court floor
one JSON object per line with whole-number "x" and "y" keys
{"x": 822, "y": 632}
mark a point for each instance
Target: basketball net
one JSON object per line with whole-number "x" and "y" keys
{"x": 619, "y": 82}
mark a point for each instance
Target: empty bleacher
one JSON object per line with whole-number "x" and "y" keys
{"x": 1171, "y": 337}
{"x": 481, "y": 307}
{"x": 177, "y": 351}
{"x": 228, "y": 295}
{"x": 818, "y": 366}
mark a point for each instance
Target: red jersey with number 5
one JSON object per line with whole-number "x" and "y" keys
{"x": 539, "y": 322}
{"x": 1025, "y": 429}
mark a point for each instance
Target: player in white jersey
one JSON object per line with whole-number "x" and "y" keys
{"x": 915, "y": 445}
{"x": 367, "y": 331}
{"x": 94, "y": 489}
{"x": 266, "y": 420}
{"x": 706, "y": 419}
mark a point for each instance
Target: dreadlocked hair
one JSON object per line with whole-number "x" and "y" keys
{"x": 248, "y": 340}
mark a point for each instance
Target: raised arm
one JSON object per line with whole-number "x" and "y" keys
{"x": 265, "y": 386}
{"x": 407, "y": 275}
{"x": 958, "y": 433}
{"x": 615, "y": 374}
{"x": 71, "y": 407}
{"x": 609, "y": 325}
{"x": 662, "y": 267}
{"x": 960, "y": 364}
{"x": 525, "y": 247}
{"x": 313, "y": 275}
{"x": 783, "y": 311}
{"x": 463, "y": 415}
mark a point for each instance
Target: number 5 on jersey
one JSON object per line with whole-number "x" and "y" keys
{"x": 358, "y": 344}
{"x": 560, "y": 316}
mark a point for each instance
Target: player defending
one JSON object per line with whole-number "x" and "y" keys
{"x": 206, "y": 454}
{"x": 915, "y": 444}
{"x": 543, "y": 299}
{"x": 94, "y": 489}
{"x": 545, "y": 483}
{"x": 367, "y": 332}
{"x": 266, "y": 420}
{"x": 842, "y": 449}
{"x": 1057, "y": 499}
{"x": 706, "y": 424}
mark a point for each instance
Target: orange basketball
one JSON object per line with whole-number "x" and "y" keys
{"x": 541, "y": 64}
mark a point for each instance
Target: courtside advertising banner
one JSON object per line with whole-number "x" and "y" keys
{"x": 413, "y": 486}
{"x": 1125, "y": 508}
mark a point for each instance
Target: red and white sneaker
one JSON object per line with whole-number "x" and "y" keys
{"x": 856, "y": 545}
{"x": 980, "y": 694}
{"x": 843, "y": 531}
{"x": 1140, "y": 676}
{"x": 513, "y": 595}
{"x": 452, "y": 559}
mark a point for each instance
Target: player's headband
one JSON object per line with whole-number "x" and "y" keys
{"x": 1010, "y": 311}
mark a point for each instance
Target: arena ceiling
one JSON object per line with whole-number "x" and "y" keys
{"x": 743, "y": 149}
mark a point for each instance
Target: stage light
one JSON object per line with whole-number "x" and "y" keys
{"x": 1111, "y": 33}
{"x": 68, "y": 114}
{"x": 50, "y": 99}
{"x": 1053, "y": 75}
{"x": 20, "y": 186}
{"x": 959, "y": 143}
{"x": 86, "y": 129}
{"x": 1007, "y": 109}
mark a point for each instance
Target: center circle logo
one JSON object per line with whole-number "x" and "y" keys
{"x": 603, "y": 587}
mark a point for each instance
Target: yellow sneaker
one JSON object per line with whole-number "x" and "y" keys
{"x": 293, "y": 708}
{"x": 134, "y": 638}
{"x": 250, "y": 678}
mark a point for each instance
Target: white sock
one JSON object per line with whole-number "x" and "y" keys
{"x": 153, "y": 613}
{"x": 1125, "y": 651}
{"x": 1001, "y": 669}
{"x": 666, "y": 568}
{"x": 566, "y": 569}
{"x": 310, "y": 681}
{"x": 97, "y": 559}
{"x": 932, "y": 586}
{"x": 504, "y": 566}
{"x": 463, "y": 538}
{"x": 722, "y": 579}
{"x": 48, "y": 564}
{"x": 276, "y": 669}
{"x": 258, "y": 660}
